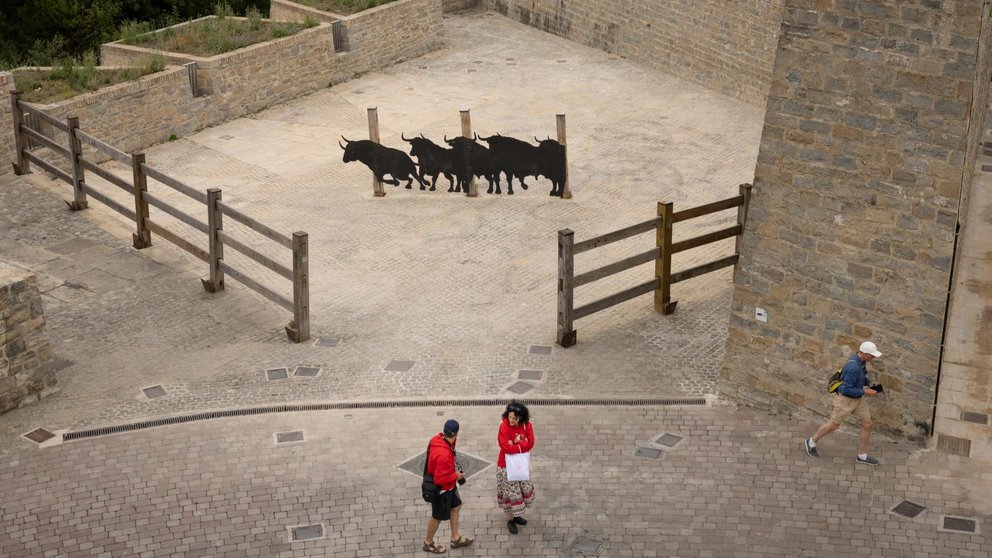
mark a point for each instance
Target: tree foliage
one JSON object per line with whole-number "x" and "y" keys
{"x": 40, "y": 31}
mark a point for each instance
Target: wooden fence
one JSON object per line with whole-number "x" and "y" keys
{"x": 298, "y": 329}
{"x": 661, "y": 254}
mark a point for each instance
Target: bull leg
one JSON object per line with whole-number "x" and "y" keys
{"x": 434, "y": 181}
{"x": 393, "y": 181}
{"x": 423, "y": 180}
{"x": 522, "y": 184}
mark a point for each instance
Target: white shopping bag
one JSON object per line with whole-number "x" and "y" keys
{"x": 518, "y": 466}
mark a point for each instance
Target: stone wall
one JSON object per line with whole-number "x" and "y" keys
{"x": 852, "y": 221}
{"x": 26, "y": 364}
{"x": 725, "y": 46}
{"x": 6, "y": 124}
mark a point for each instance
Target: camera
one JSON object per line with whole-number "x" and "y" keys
{"x": 878, "y": 388}
{"x": 461, "y": 480}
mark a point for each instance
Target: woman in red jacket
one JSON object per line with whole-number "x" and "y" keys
{"x": 516, "y": 435}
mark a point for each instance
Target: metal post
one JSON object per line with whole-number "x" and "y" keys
{"x": 215, "y": 224}
{"x": 142, "y": 237}
{"x": 76, "y": 154}
{"x": 191, "y": 73}
{"x": 745, "y": 191}
{"x": 663, "y": 265}
{"x": 298, "y": 330}
{"x": 473, "y": 188}
{"x": 377, "y": 189}
{"x": 567, "y": 188}
{"x": 21, "y": 165}
{"x": 566, "y": 275}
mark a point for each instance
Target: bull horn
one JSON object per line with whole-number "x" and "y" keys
{"x": 341, "y": 146}
{"x": 404, "y": 137}
{"x": 475, "y": 136}
{"x": 346, "y": 140}
{"x": 549, "y": 137}
{"x": 422, "y": 135}
{"x": 445, "y": 138}
{"x": 537, "y": 140}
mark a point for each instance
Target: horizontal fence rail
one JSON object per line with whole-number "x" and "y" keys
{"x": 661, "y": 254}
{"x": 29, "y": 134}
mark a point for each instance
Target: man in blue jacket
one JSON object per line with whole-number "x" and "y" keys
{"x": 849, "y": 400}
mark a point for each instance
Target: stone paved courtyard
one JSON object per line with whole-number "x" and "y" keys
{"x": 462, "y": 289}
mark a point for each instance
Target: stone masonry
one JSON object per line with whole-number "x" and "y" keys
{"x": 726, "y": 46}
{"x": 26, "y": 371}
{"x": 852, "y": 222}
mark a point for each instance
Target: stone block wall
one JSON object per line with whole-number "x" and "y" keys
{"x": 6, "y": 124}
{"x": 725, "y": 46}
{"x": 382, "y": 36}
{"x": 26, "y": 361}
{"x": 851, "y": 229}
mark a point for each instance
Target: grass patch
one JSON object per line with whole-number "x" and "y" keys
{"x": 210, "y": 37}
{"x": 342, "y": 7}
{"x": 75, "y": 77}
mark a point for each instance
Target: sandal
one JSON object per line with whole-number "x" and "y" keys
{"x": 434, "y": 548}
{"x": 462, "y": 541}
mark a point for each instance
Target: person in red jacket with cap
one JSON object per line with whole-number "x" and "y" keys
{"x": 516, "y": 435}
{"x": 446, "y": 506}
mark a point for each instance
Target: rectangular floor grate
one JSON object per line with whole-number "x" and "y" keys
{"x": 307, "y": 371}
{"x": 286, "y": 437}
{"x": 520, "y": 388}
{"x": 154, "y": 391}
{"x": 668, "y": 440}
{"x": 959, "y": 524}
{"x": 648, "y": 453}
{"x": 977, "y": 418}
{"x": 39, "y": 435}
{"x": 908, "y": 509}
{"x": 540, "y": 350}
{"x": 307, "y": 532}
{"x": 530, "y": 375}
{"x": 399, "y": 365}
{"x": 586, "y": 546}
{"x": 277, "y": 374}
{"x": 954, "y": 446}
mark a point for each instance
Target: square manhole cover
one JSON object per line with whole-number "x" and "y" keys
{"x": 154, "y": 391}
{"x": 540, "y": 350}
{"x": 306, "y": 532}
{"x": 399, "y": 365}
{"x": 307, "y": 371}
{"x": 469, "y": 463}
{"x": 668, "y": 440}
{"x": 586, "y": 546}
{"x": 959, "y": 524}
{"x": 908, "y": 509}
{"x": 648, "y": 453}
{"x": 277, "y": 374}
{"x": 530, "y": 375}
{"x": 520, "y": 388}
{"x": 326, "y": 342}
{"x": 286, "y": 437}
{"x": 39, "y": 435}
{"x": 977, "y": 418}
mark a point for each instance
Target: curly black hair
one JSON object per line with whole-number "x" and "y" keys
{"x": 518, "y": 409}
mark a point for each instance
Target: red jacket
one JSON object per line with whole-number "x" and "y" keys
{"x": 441, "y": 462}
{"x": 507, "y": 435}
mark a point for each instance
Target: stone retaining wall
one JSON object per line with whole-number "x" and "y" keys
{"x": 851, "y": 229}
{"x": 26, "y": 363}
{"x": 725, "y": 46}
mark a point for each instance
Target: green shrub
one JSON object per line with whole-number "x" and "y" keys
{"x": 131, "y": 31}
{"x": 254, "y": 18}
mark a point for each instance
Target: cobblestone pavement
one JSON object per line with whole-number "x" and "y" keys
{"x": 462, "y": 289}
{"x": 735, "y": 483}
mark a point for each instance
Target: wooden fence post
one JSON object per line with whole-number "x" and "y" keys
{"x": 76, "y": 154}
{"x": 745, "y": 190}
{"x": 299, "y": 329}
{"x": 566, "y": 276}
{"x": 377, "y": 189}
{"x": 142, "y": 237}
{"x": 215, "y": 224}
{"x": 21, "y": 165}
{"x": 567, "y": 188}
{"x": 663, "y": 265}
{"x": 466, "y": 117}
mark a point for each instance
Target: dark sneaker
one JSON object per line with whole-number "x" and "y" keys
{"x": 867, "y": 461}
{"x": 810, "y": 450}
{"x": 512, "y": 527}
{"x": 520, "y": 521}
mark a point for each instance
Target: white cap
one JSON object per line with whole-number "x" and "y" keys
{"x": 870, "y": 348}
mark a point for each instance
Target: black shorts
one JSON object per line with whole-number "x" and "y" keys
{"x": 445, "y": 502}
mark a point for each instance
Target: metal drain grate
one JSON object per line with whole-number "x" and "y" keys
{"x": 307, "y": 407}
{"x": 306, "y": 532}
{"x": 908, "y": 509}
{"x": 952, "y": 445}
{"x": 649, "y": 453}
{"x": 959, "y": 524}
{"x": 468, "y": 462}
{"x": 530, "y": 375}
{"x": 977, "y": 418}
{"x": 540, "y": 350}
{"x": 586, "y": 546}
{"x": 277, "y": 374}
{"x": 39, "y": 435}
{"x": 520, "y": 388}
{"x": 399, "y": 365}
{"x": 287, "y": 437}
{"x": 668, "y": 440}
{"x": 153, "y": 392}
{"x": 307, "y": 371}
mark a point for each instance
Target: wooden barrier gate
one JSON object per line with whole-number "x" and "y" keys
{"x": 660, "y": 254}
{"x": 298, "y": 329}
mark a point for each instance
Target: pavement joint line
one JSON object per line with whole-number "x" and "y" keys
{"x": 305, "y": 407}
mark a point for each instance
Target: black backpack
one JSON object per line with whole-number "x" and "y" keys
{"x": 427, "y": 488}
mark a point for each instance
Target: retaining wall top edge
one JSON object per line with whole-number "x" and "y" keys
{"x": 305, "y": 8}
{"x": 169, "y": 73}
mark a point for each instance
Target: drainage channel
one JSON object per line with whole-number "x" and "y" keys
{"x": 304, "y": 407}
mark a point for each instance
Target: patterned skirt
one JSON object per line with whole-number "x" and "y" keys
{"x": 513, "y": 496}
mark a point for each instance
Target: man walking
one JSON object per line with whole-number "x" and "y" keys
{"x": 849, "y": 400}
{"x": 447, "y": 504}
